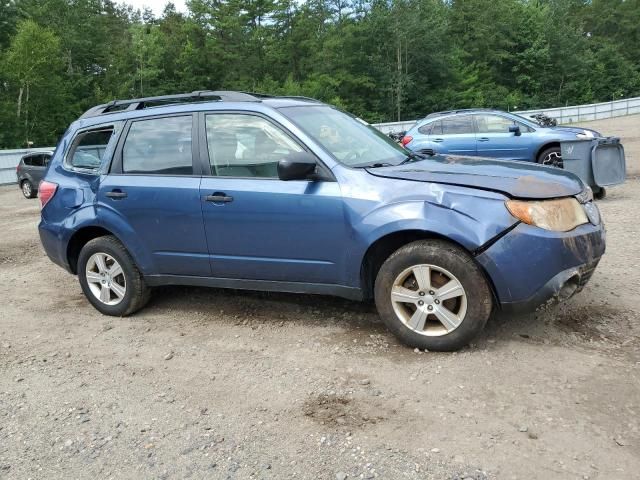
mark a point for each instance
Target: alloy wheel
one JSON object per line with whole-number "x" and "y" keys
{"x": 429, "y": 300}
{"x": 26, "y": 189}
{"x": 553, "y": 159}
{"x": 105, "y": 278}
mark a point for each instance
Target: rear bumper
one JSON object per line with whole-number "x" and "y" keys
{"x": 54, "y": 244}
{"x": 530, "y": 266}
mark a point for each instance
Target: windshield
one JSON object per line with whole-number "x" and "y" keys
{"x": 352, "y": 142}
{"x": 525, "y": 119}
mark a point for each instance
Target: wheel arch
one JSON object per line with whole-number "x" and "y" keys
{"x": 384, "y": 246}
{"x": 79, "y": 239}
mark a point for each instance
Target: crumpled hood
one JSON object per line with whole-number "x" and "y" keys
{"x": 515, "y": 179}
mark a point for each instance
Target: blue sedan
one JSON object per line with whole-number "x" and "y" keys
{"x": 491, "y": 133}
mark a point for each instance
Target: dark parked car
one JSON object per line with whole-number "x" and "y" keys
{"x": 30, "y": 171}
{"x": 228, "y": 189}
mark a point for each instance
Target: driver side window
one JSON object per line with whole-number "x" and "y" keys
{"x": 242, "y": 145}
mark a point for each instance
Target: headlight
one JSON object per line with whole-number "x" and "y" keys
{"x": 585, "y": 134}
{"x": 557, "y": 215}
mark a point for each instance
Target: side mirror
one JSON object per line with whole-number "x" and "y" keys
{"x": 515, "y": 129}
{"x": 297, "y": 166}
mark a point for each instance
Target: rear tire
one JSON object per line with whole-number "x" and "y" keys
{"x": 551, "y": 157}
{"x": 27, "y": 189}
{"x": 431, "y": 295}
{"x": 110, "y": 278}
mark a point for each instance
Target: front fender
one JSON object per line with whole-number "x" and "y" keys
{"x": 467, "y": 217}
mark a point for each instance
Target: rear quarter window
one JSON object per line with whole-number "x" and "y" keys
{"x": 89, "y": 147}
{"x": 426, "y": 128}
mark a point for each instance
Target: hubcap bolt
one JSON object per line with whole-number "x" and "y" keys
{"x": 429, "y": 307}
{"x": 421, "y": 294}
{"x": 431, "y": 292}
{"x": 437, "y": 301}
{"x": 420, "y": 303}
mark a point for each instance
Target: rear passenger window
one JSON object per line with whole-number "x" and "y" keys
{"x": 458, "y": 125}
{"x": 88, "y": 149}
{"x": 159, "y": 146}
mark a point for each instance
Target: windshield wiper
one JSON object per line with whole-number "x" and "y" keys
{"x": 374, "y": 165}
{"x": 412, "y": 156}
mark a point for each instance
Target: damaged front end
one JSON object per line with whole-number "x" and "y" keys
{"x": 549, "y": 256}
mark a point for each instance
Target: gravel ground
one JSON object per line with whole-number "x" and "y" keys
{"x": 208, "y": 383}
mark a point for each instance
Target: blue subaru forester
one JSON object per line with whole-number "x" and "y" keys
{"x": 228, "y": 189}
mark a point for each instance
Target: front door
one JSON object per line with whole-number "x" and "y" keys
{"x": 153, "y": 186}
{"x": 496, "y": 141}
{"x": 259, "y": 227}
{"x": 454, "y": 135}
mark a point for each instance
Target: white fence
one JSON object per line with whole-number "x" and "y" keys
{"x": 9, "y": 160}
{"x": 564, "y": 115}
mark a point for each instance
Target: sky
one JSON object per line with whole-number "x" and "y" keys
{"x": 156, "y": 5}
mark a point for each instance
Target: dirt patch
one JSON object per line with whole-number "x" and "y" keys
{"x": 337, "y": 410}
{"x": 207, "y": 383}
{"x": 597, "y": 323}
{"x": 20, "y": 253}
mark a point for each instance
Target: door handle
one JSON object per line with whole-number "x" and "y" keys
{"x": 219, "y": 197}
{"x": 483, "y": 139}
{"x": 116, "y": 194}
{"x": 437, "y": 140}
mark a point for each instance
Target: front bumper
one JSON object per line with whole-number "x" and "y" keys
{"x": 530, "y": 266}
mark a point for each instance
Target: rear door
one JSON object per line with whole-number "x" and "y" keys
{"x": 154, "y": 186}
{"x": 496, "y": 141}
{"x": 454, "y": 135}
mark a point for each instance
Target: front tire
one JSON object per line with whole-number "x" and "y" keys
{"x": 27, "y": 189}
{"x": 110, "y": 278}
{"x": 431, "y": 295}
{"x": 551, "y": 157}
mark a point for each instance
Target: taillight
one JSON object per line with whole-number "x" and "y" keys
{"x": 46, "y": 191}
{"x": 406, "y": 140}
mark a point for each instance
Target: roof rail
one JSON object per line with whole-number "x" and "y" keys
{"x": 462, "y": 110}
{"x": 140, "y": 103}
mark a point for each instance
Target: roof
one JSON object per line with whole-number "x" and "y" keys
{"x": 463, "y": 110}
{"x": 201, "y": 96}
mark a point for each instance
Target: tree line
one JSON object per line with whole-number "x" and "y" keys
{"x": 382, "y": 60}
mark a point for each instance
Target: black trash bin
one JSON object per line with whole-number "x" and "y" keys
{"x": 599, "y": 162}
